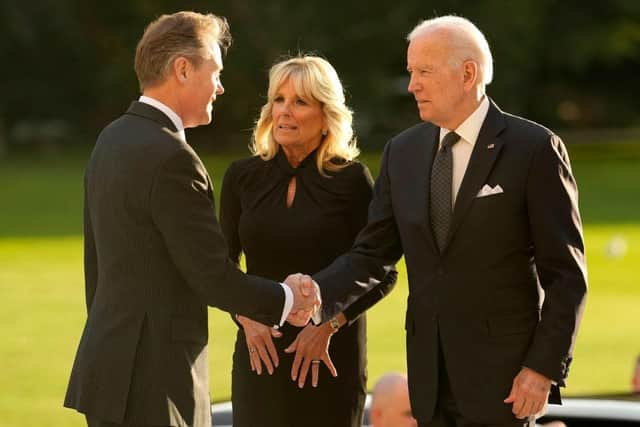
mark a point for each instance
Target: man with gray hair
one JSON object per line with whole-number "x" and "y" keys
{"x": 484, "y": 207}
{"x": 155, "y": 256}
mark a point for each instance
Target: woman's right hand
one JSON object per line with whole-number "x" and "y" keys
{"x": 260, "y": 344}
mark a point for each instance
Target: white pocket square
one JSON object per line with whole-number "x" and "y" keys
{"x": 488, "y": 191}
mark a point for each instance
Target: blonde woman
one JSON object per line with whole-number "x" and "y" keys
{"x": 296, "y": 205}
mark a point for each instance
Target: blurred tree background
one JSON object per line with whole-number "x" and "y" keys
{"x": 67, "y": 64}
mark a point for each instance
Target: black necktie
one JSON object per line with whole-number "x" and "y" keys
{"x": 440, "y": 194}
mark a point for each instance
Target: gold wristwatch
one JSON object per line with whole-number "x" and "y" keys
{"x": 335, "y": 325}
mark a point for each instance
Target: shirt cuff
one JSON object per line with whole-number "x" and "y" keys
{"x": 288, "y": 304}
{"x": 317, "y": 316}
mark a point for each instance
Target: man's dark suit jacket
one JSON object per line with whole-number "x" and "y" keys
{"x": 154, "y": 259}
{"x": 479, "y": 298}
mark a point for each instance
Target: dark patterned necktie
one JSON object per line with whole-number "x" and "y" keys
{"x": 440, "y": 194}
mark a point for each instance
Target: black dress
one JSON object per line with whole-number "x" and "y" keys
{"x": 321, "y": 223}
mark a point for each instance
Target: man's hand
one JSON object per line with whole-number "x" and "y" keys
{"x": 311, "y": 347}
{"x": 260, "y": 344}
{"x": 529, "y": 393}
{"x": 306, "y": 298}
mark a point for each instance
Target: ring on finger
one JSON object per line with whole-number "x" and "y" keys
{"x": 252, "y": 350}
{"x": 315, "y": 362}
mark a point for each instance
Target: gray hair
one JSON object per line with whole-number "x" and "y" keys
{"x": 466, "y": 40}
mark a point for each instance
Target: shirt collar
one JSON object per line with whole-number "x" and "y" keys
{"x": 470, "y": 128}
{"x": 175, "y": 119}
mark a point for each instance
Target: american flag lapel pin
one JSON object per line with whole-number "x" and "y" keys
{"x": 490, "y": 146}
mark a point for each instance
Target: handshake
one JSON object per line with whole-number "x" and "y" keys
{"x": 306, "y": 298}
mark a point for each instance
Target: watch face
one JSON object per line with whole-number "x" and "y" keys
{"x": 334, "y": 323}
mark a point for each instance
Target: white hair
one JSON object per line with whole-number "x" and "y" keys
{"x": 466, "y": 40}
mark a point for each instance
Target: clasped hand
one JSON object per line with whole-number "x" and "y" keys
{"x": 306, "y": 298}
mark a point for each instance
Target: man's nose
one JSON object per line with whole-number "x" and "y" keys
{"x": 412, "y": 84}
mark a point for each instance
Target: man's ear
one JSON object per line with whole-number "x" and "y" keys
{"x": 181, "y": 68}
{"x": 470, "y": 74}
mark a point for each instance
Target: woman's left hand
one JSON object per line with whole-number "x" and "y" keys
{"x": 311, "y": 344}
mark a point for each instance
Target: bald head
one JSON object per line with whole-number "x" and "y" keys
{"x": 387, "y": 386}
{"x": 390, "y": 406}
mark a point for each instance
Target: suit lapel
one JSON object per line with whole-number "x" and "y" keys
{"x": 485, "y": 152}
{"x": 429, "y": 141}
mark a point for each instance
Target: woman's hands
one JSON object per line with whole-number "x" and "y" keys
{"x": 311, "y": 347}
{"x": 260, "y": 344}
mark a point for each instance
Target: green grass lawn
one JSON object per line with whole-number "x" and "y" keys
{"x": 42, "y": 294}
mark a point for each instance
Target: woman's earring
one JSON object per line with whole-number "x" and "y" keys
{"x": 324, "y": 132}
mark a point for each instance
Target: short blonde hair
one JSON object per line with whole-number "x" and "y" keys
{"x": 313, "y": 78}
{"x": 466, "y": 40}
{"x": 186, "y": 34}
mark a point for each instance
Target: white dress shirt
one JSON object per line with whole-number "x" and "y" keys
{"x": 461, "y": 151}
{"x": 177, "y": 122}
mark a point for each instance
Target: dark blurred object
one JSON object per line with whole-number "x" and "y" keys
{"x": 565, "y": 64}
{"x": 45, "y": 136}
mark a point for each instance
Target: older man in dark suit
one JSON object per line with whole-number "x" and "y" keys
{"x": 484, "y": 207}
{"x": 154, "y": 254}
